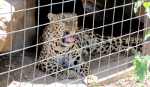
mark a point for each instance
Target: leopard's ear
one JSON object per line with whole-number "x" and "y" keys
{"x": 50, "y": 16}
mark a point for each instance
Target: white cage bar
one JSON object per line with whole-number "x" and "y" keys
{"x": 107, "y": 36}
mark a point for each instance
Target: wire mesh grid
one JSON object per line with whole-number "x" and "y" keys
{"x": 101, "y": 40}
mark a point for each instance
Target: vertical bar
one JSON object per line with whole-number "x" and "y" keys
{"x": 138, "y": 32}
{"x": 11, "y": 47}
{"x": 90, "y": 58}
{"x": 122, "y": 21}
{"x": 37, "y": 38}
{"x": 130, "y": 27}
{"x": 102, "y": 34}
{"x": 110, "y": 41}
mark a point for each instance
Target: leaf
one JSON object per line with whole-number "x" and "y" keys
{"x": 146, "y": 4}
{"x": 141, "y": 67}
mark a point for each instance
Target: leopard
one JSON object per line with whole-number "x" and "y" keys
{"x": 67, "y": 49}
{"x": 126, "y": 45}
{"x": 60, "y": 50}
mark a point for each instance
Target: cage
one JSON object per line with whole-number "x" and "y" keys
{"x": 61, "y": 42}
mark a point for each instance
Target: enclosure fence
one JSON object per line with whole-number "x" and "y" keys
{"x": 39, "y": 43}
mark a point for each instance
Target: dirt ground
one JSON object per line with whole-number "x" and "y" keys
{"x": 125, "y": 78}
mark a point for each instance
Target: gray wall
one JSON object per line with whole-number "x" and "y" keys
{"x": 22, "y": 20}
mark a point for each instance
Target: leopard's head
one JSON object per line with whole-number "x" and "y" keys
{"x": 64, "y": 28}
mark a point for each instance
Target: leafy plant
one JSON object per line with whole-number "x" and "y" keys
{"x": 141, "y": 64}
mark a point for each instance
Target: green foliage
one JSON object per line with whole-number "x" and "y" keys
{"x": 146, "y": 4}
{"x": 141, "y": 66}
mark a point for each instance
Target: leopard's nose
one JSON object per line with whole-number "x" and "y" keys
{"x": 66, "y": 33}
{"x": 63, "y": 40}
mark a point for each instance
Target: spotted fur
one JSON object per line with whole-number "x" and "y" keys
{"x": 57, "y": 55}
